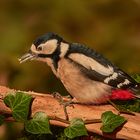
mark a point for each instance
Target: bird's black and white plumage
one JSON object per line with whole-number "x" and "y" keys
{"x": 86, "y": 74}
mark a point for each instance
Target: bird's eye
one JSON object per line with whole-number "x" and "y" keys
{"x": 39, "y": 48}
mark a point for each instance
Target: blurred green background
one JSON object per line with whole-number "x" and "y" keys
{"x": 112, "y": 27}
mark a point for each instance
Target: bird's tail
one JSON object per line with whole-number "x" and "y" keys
{"x": 136, "y": 90}
{"x": 137, "y": 96}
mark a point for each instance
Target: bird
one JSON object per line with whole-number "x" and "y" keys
{"x": 87, "y": 75}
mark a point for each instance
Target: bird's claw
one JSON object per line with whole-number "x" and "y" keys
{"x": 64, "y": 103}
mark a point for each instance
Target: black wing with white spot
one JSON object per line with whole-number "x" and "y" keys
{"x": 96, "y": 67}
{"x": 120, "y": 79}
{"x": 82, "y": 49}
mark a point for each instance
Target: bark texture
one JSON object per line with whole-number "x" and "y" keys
{"x": 48, "y": 104}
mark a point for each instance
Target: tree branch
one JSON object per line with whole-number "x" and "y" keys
{"x": 49, "y": 105}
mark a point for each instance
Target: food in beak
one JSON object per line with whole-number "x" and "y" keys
{"x": 27, "y": 56}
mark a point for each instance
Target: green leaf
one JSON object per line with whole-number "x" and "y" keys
{"x": 129, "y": 105}
{"x": 111, "y": 121}
{"x": 1, "y": 119}
{"x": 39, "y": 124}
{"x": 61, "y": 136}
{"x": 75, "y": 129}
{"x": 23, "y": 138}
{"x": 19, "y": 104}
{"x": 136, "y": 77}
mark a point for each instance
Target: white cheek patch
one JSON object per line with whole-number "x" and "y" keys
{"x": 49, "y": 47}
{"x": 90, "y": 63}
{"x": 112, "y": 77}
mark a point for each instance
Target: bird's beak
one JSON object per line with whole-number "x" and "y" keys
{"x": 27, "y": 56}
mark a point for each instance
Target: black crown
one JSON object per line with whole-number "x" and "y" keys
{"x": 46, "y": 37}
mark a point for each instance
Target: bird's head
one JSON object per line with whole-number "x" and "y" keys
{"x": 43, "y": 47}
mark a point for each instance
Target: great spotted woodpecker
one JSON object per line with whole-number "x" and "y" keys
{"x": 86, "y": 74}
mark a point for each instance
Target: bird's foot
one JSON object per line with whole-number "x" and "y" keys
{"x": 64, "y": 103}
{"x": 120, "y": 111}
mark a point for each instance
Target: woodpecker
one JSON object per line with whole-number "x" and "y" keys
{"x": 88, "y": 76}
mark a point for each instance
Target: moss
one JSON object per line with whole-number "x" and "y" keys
{"x": 131, "y": 105}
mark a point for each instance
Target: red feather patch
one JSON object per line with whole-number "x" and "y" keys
{"x": 122, "y": 95}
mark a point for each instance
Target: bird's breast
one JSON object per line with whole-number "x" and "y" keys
{"x": 79, "y": 86}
